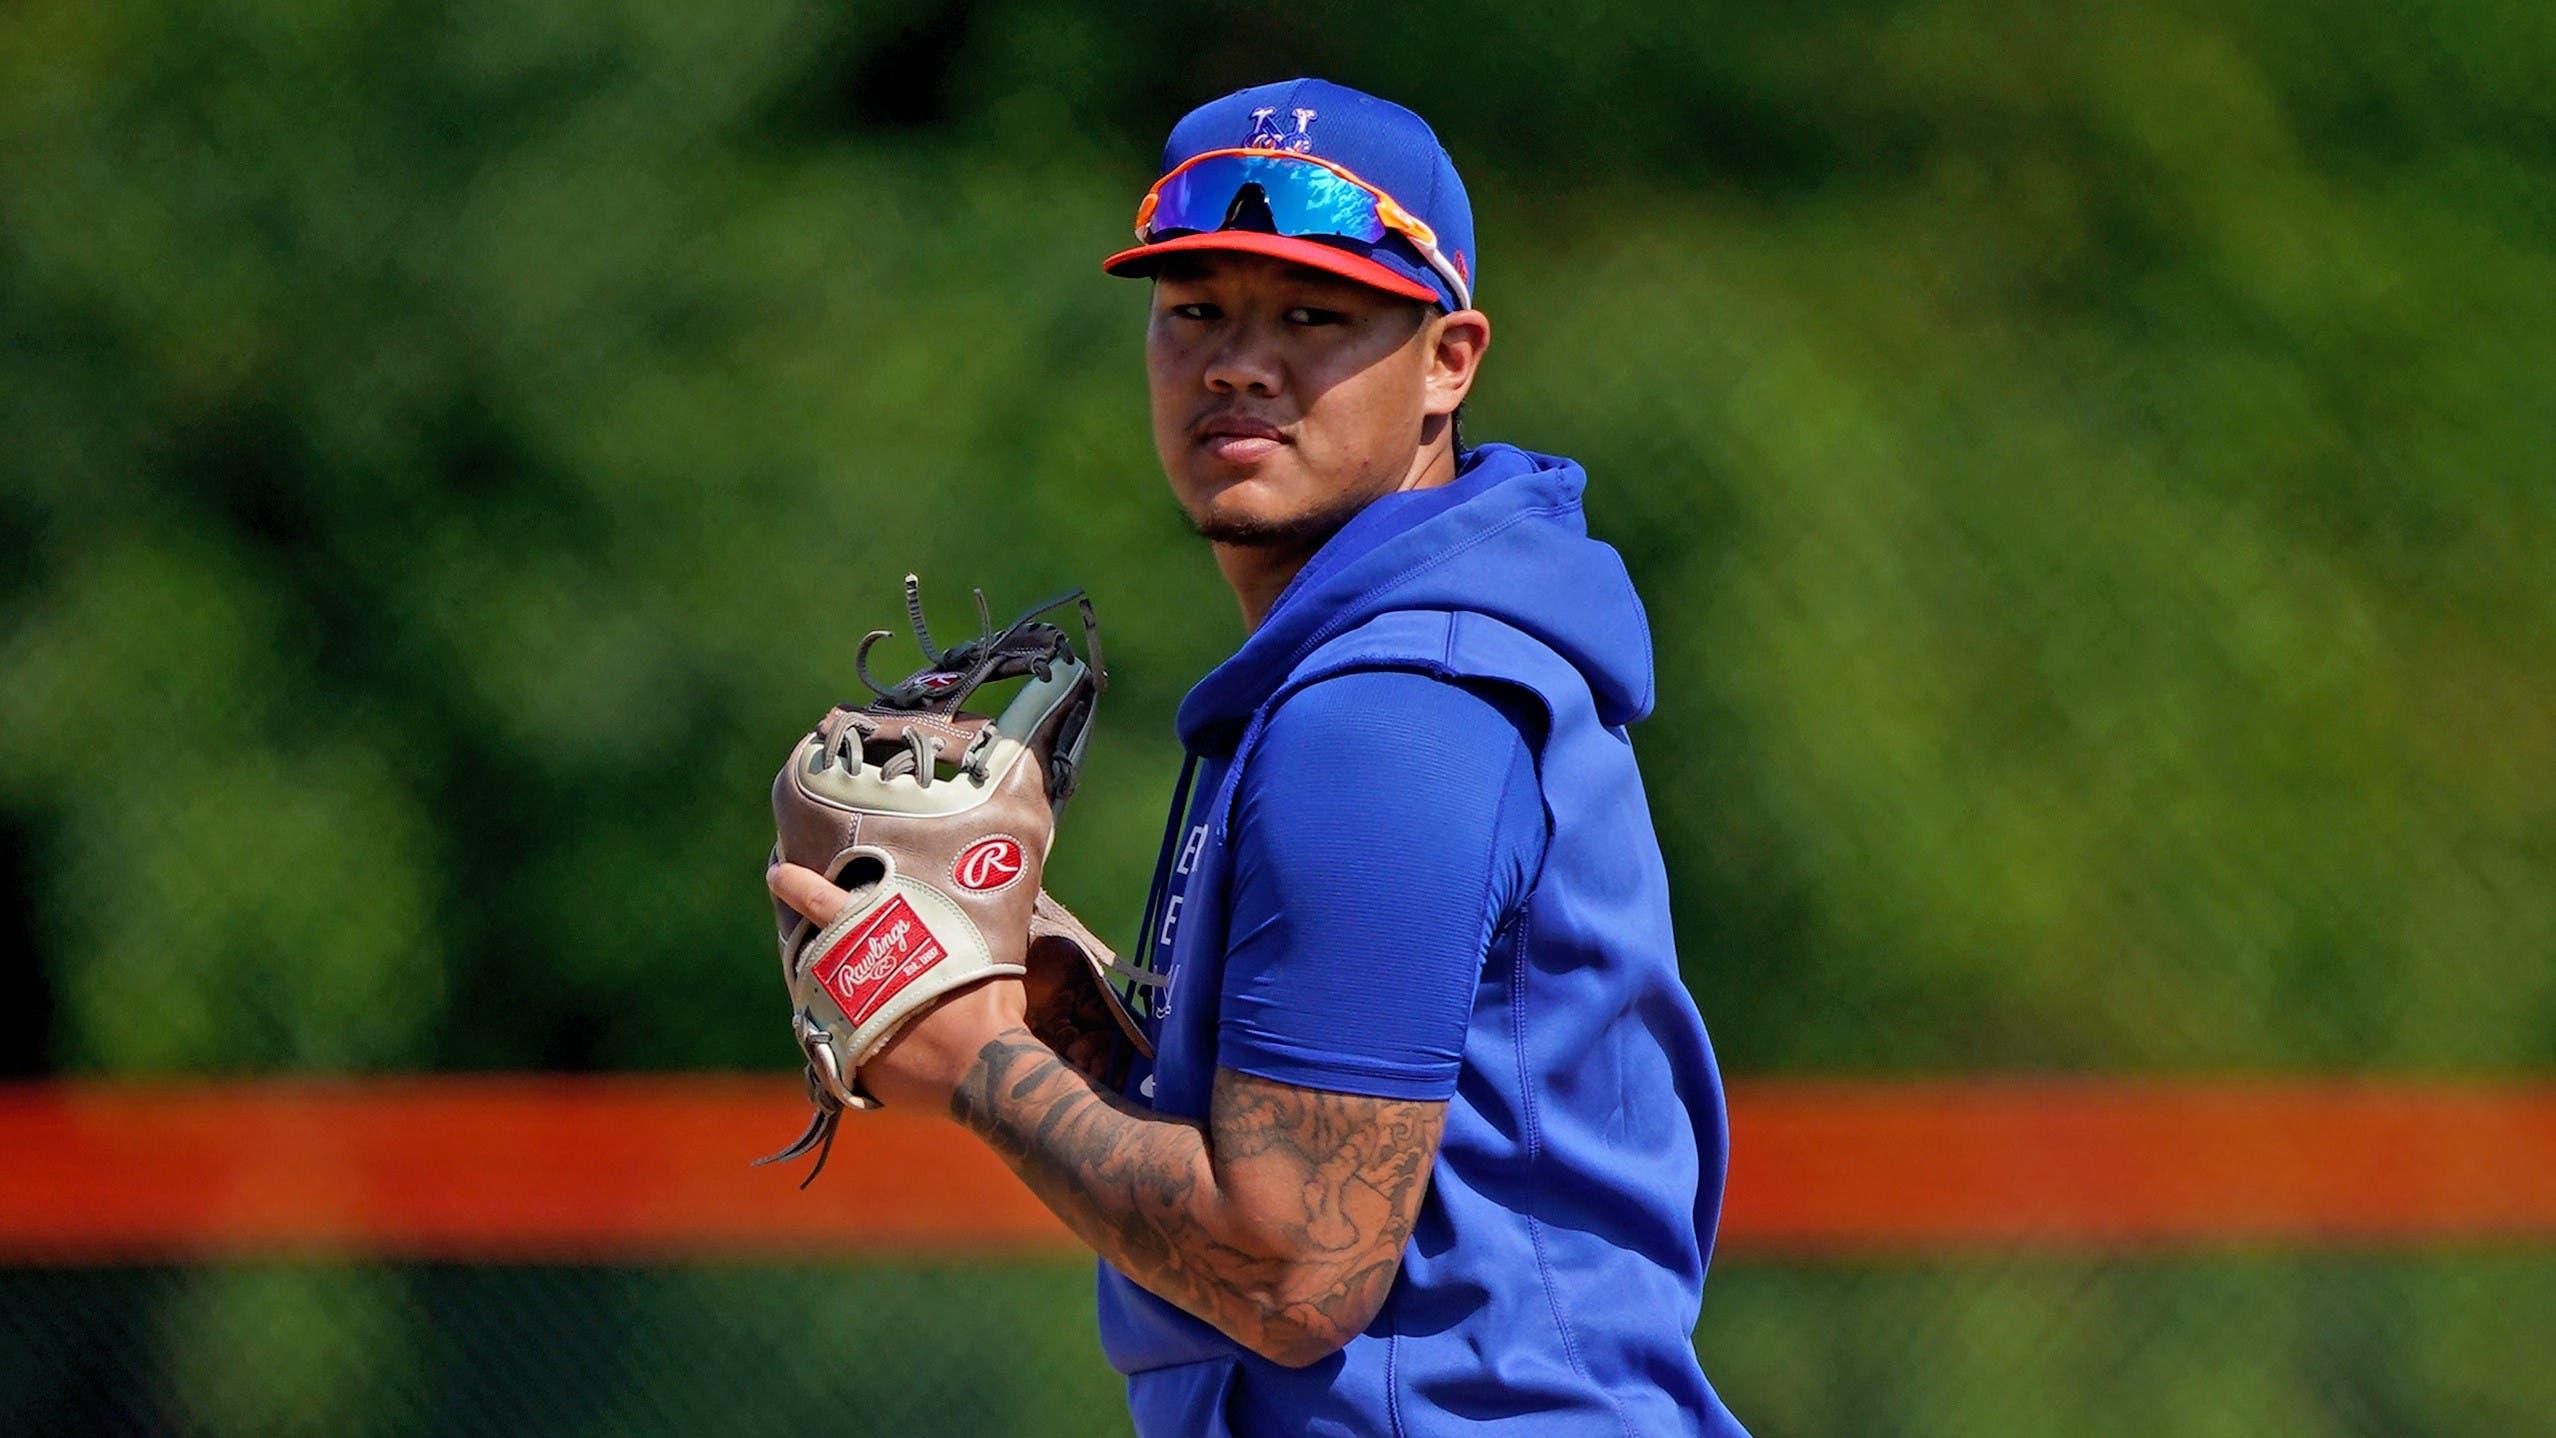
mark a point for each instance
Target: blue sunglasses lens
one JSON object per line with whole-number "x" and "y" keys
{"x": 1304, "y": 199}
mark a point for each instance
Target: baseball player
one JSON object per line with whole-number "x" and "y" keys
{"x": 1430, "y": 1140}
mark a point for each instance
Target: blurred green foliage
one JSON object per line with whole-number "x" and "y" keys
{"x": 2227, "y": 1345}
{"x": 2089, "y": 467}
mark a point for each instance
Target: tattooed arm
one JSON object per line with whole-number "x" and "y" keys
{"x": 1281, "y": 1221}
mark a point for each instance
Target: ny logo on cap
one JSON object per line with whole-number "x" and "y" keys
{"x": 1265, "y": 134}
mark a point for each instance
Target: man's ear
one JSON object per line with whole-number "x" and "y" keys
{"x": 1456, "y": 344}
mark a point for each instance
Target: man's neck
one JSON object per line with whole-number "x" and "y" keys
{"x": 1258, "y": 574}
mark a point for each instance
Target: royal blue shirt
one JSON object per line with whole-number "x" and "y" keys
{"x": 1387, "y": 825}
{"x": 1414, "y": 860}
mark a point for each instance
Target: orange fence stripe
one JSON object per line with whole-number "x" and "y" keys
{"x": 1831, "y": 1167}
{"x": 632, "y": 1169}
{"x": 527, "y": 1168}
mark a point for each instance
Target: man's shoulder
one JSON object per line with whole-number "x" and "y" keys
{"x": 1389, "y": 760}
{"x": 1379, "y": 715}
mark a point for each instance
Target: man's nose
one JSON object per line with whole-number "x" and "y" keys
{"x": 1245, "y": 366}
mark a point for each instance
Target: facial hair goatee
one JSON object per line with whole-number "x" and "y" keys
{"x": 1305, "y": 531}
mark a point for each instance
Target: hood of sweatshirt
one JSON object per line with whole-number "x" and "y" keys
{"x": 1506, "y": 538}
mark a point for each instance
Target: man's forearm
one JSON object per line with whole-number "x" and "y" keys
{"x": 1138, "y": 1186}
{"x": 1283, "y": 1227}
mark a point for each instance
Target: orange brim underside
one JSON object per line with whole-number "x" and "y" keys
{"x": 1312, "y": 254}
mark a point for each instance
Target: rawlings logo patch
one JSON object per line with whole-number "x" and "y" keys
{"x": 877, "y": 957}
{"x": 989, "y": 865}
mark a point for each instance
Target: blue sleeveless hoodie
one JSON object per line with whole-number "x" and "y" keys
{"x": 1552, "y": 1281}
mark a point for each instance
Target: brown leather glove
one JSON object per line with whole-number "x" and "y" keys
{"x": 937, "y": 821}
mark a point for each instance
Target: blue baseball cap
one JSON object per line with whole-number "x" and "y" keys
{"x": 1376, "y": 145}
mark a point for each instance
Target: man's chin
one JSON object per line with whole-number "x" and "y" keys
{"x": 1302, "y": 530}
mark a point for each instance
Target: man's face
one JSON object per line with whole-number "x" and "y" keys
{"x": 1285, "y": 399}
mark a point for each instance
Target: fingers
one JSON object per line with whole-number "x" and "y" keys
{"x": 807, "y": 891}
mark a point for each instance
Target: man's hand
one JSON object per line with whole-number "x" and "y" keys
{"x": 1070, "y": 1014}
{"x": 927, "y": 1058}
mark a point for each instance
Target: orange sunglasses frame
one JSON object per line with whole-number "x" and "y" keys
{"x": 1388, "y": 210}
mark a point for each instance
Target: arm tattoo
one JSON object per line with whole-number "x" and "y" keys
{"x": 1281, "y": 1220}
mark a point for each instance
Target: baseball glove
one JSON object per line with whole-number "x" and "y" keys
{"x": 937, "y": 820}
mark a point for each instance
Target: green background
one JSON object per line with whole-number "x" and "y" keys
{"x": 2091, "y": 469}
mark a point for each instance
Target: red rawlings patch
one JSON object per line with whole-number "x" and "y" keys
{"x": 877, "y": 957}
{"x": 988, "y": 864}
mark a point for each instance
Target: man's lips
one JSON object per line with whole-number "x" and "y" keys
{"x": 1239, "y": 439}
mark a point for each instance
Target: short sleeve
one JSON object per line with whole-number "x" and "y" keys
{"x": 1385, "y": 827}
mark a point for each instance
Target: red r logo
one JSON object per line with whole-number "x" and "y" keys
{"x": 989, "y": 864}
